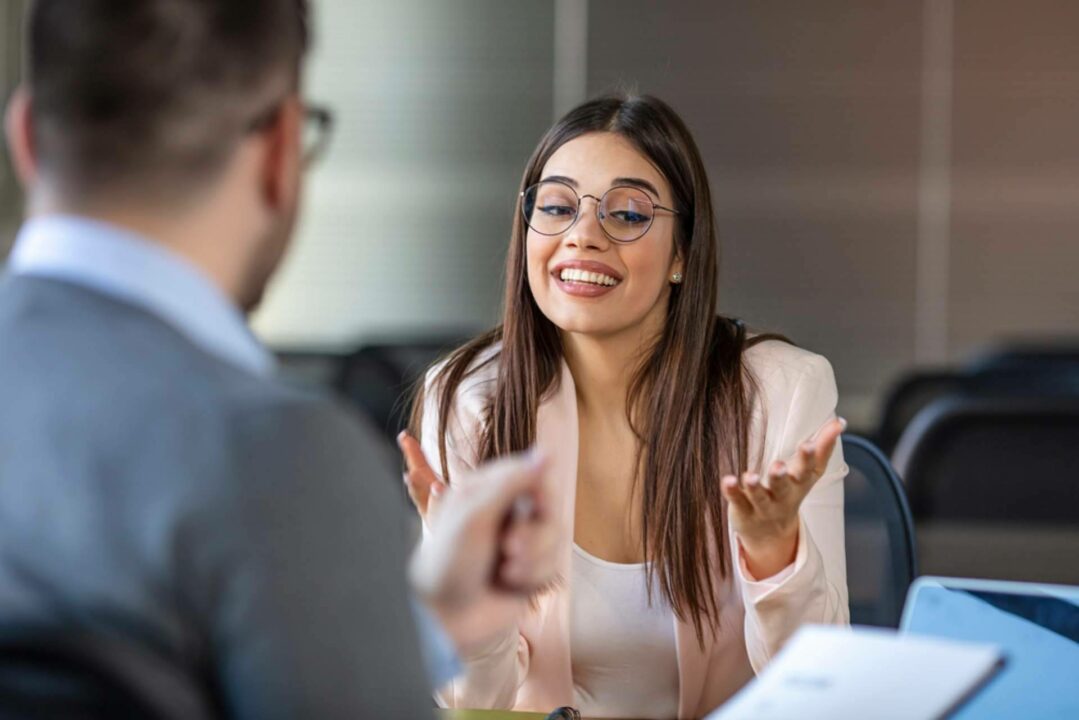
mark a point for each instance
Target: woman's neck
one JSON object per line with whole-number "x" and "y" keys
{"x": 603, "y": 368}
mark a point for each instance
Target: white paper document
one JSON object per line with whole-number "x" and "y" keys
{"x": 830, "y": 672}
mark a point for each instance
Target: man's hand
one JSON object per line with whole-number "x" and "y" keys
{"x": 495, "y": 543}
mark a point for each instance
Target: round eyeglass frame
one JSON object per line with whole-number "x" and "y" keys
{"x": 599, "y": 204}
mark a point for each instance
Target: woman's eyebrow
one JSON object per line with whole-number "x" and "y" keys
{"x": 562, "y": 179}
{"x": 637, "y": 182}
{"x": 630, "y": 181}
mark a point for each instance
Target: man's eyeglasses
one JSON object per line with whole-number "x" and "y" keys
{"x": 317, "y": 129}
{"x": 624, "y": 212}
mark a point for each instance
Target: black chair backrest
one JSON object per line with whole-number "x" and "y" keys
{"x": 881, "y": 557}
{"x": 1002, "y": 460}
{"x": 379, "y": 379}
{"x": 1049, "y": 356}
{"x": 1003, "y": 377}
{"x": 50, "y": 673}
{"x": 907, "y": 398}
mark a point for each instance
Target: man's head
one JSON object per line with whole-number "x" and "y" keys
{"x": 170, "y": 107}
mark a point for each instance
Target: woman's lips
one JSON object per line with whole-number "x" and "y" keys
{"x": 582, "y": 289}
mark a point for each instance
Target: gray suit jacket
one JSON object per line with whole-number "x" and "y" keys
{"x": 246, "y": 536}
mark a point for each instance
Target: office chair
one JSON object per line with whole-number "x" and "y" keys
{"x": 992, "y": 486}
{"x": 881, "y": 555}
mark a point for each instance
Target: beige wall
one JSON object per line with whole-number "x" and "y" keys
{"x": 1015, "y": 213}
{"x": 897, "y": 181}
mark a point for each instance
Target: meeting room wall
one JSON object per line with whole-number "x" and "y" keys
{"x": 897, "y": 182}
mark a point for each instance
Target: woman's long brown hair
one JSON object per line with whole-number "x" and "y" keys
{"x": 690, "y": 402}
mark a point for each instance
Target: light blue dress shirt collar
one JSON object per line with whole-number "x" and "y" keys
{"x": 136, "y": 270}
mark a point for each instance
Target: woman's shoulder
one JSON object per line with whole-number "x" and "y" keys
{"x": 477, "y": 385}
{"x": 783, "y": 371}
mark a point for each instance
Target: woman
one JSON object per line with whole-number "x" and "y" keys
{"x": 695, "y": 469}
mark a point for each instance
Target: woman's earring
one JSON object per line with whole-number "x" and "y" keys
{"x": 676, "y": 278}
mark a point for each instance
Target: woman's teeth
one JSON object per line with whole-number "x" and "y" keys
{"x": 575, "y": 275}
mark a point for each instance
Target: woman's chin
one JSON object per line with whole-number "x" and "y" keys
{"x": 591, "y": 326}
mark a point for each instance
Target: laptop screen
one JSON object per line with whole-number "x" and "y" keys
{"x": 1036, "y": 625}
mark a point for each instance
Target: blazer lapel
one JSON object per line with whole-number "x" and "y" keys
{"x": 556, "y": 435}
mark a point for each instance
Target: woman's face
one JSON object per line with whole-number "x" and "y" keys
{"x": 634, "y": 278}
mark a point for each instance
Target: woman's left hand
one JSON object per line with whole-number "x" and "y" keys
{"x": 763, "y": 512}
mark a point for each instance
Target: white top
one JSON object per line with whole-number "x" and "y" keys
{"x": 623, "y": 652}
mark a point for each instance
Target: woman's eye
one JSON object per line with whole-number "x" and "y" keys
{"x": 557, "y": 210}
{"x": 630, "y": 217}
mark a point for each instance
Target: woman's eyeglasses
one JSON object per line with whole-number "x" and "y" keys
{"x": 624, "y": 212}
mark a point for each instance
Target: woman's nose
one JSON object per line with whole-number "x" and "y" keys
{"x": 587, "y": 232}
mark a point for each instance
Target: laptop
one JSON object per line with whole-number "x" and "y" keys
{"x": 1036, "y": 625}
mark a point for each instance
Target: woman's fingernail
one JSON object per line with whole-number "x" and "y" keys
{"x": 843, "y": 424}
{"x": 437, "y": 489}
{"x": 752, "y": 479}
{"x": 809, "y": 447}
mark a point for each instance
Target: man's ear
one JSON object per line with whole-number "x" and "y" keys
{"x": 282, "y": 160}
{"x": 19, "y": 131}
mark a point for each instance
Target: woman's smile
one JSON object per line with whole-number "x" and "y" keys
{"x": 585, "y": 278}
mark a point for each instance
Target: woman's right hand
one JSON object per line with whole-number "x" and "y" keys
{"x": 425, "y": 487}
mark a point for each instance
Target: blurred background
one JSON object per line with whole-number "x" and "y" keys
{"x": 897, "y": 185}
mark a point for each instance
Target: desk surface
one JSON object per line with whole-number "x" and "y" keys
{"x": 488, "y": 715}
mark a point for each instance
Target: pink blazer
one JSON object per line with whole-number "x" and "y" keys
{"x": 529, "y": 667}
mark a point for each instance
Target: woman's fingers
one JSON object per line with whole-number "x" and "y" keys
{"x": 824, "y": 444}
{"x": 424, "y": 487}
{"x": 811, "y": 458}
{"x": 759, "y": 496}
{"x": 779, "y": 481}
{"x": 416, "y": 494}
{"x": 734, "y": 494}
{"x": 415, "y": 460}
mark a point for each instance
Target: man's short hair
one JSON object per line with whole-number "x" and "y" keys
{"x": 155, "y": 94}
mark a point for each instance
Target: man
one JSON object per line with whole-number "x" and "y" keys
{"x": 237, "y": 544}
